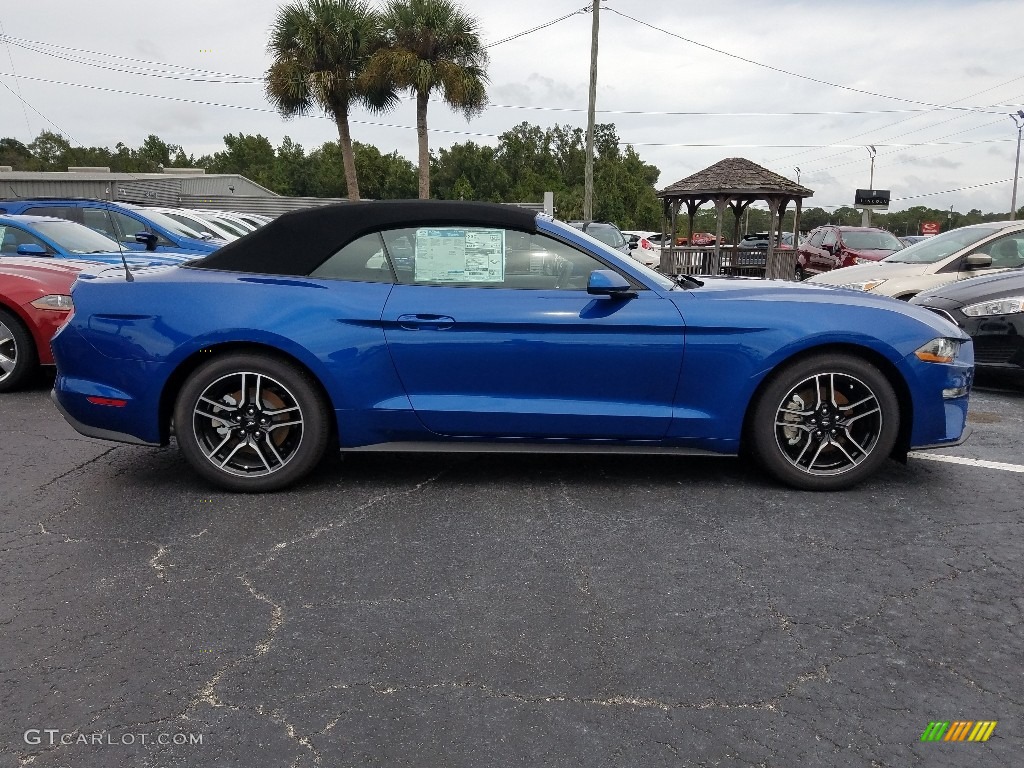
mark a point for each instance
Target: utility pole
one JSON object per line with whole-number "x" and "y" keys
{"x": 865, "y": 216}
{"x": 1016, "y": 167}
{"x": 588, "y": 171}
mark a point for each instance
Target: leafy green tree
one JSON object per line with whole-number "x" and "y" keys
{"x": 17, "y": 155}
{"x": 320, "y": 49}
{"x": 51, "y": 150}
{"x": 250, "y": 156}
{"x": 431, "y": 45}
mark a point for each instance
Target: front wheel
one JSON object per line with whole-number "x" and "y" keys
{"x": 825, "y": 423}
{"x": 251, "y": 423}
{"x": 18, "y": 358}
{"x": 800, "y": 273}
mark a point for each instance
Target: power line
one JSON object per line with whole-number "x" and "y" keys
{"x": 537, "y": 28}
{"x": 17, "y": 84}
{"x": 25, "y": 102}
{"x": 693, "y": 145}
{"x": 780, "y": 70}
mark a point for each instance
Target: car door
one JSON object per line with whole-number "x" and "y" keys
{"x": 826, "y": 256}
{"x": 809, "y": 251}
{"x": 1006, "y": 253}
{"x": 493, "y": 334}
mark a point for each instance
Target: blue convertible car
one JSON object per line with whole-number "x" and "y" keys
{"x": 450, "y": 326}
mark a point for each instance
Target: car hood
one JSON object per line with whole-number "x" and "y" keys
{"x": 986, "y": 287}
{"x": 883, "y": 270}
{"x": 772, "y": 292}
{"x": 870, "y": 253}
{"x": 41, "y": 268}
{"x": 138, "y": 259}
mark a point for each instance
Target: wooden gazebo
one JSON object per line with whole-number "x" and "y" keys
{"x": 734, "y": 183}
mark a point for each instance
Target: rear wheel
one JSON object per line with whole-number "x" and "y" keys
{"x": 18, "y": 358}
{"x": 251, "y": 423}
{"x": 826, "y": 422}
{"x": 800, "y": 273}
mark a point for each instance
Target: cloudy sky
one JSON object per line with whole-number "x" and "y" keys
{"x": 808, "y": 84}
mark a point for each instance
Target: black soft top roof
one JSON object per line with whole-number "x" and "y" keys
{"x": 297, "y": 243}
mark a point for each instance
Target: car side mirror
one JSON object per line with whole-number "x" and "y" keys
{"x": 974, "y": 261}
{"x": 829, "y": 246}
{"x": 146, "y": 238}
{"x": 31, "y": 249}
{"x": 608, "y": 282}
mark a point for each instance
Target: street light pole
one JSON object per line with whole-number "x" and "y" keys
{"x": 797, "y": 169}
{"x": 865, "y": 217}
{"x": 588, "y": 169}
{"x": 1016, "y": 166}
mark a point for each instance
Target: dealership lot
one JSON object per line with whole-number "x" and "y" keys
{"x": 412, "y": 609}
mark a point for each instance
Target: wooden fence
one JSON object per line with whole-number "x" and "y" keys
{"x": 738, "y": 262}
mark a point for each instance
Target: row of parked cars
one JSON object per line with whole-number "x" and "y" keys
{"x": 46, "y": 243}
{"x": 973, "y": 276}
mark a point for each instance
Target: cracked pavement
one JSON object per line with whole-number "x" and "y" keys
{"x": 418, "y": 610}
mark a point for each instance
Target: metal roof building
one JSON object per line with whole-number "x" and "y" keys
{"x": 174, "y": 187}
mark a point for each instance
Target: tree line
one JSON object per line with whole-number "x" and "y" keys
{"x": 526, "y": 161}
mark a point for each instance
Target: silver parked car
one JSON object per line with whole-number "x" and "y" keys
{"x": 979, "y": 249}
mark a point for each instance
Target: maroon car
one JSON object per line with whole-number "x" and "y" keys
{"x": 35, "y": 300}
{"x": 832, "y": 247}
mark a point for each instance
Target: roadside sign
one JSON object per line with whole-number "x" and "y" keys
{"x": 931, "y": 227}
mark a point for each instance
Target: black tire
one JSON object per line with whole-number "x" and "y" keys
{"x": 18, "y": 357}
{"x": 825, "y": 423}
{"x": 801, "y": 275}
{"x": 251, "y": 422}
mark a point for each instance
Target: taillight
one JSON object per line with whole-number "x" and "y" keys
{"x": 645, "y": 243}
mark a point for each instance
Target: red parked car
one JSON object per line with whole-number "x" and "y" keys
{"x": 35, "y": 300}
{"x": 832, "y": 247}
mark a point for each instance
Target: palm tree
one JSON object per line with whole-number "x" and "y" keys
{"x": 431, "y": 45}
{"x": 320, "y": 48}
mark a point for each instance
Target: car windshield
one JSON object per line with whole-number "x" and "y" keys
{"x": 607, "y": 234}
{"x": 939, "y": 247}
{"x": 201, "y": 227}
{"x": 75, "y": 238}
{"x": 171, "y": 225}
{"x": 871, "y": 241}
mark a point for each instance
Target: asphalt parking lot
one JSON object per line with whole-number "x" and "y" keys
{"x": 415, "y": 610}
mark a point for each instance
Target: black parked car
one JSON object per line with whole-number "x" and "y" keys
{"x": 991, "y": 309}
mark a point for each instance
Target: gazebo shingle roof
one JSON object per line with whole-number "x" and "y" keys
{"x": 735, "y": 176}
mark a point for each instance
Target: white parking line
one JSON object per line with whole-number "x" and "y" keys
{"x": 969, "y": 462}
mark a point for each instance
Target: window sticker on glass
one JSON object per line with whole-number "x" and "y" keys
{"x": 460, "y": 255}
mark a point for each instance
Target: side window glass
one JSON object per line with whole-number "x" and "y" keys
{"x": 830, "y": 237}
{"x": 58, "y": 212}
{"x": 130, "y": 226}
{"x": 815, "y": 241}
{"x": 363, "y": 260}
{"x": 13, "y": 237}
{"x": 97, "y": 219}
{"x": 485, "y": 257}
{"x": 1006, "y": 253}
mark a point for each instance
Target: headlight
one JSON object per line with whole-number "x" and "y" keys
{"x": 1008, "y": 306}
{"x": 54, "y": 301}
{"x": 939, "y": 351}
{"x": 862, "y": 260}
{"x": 864, "y": 285}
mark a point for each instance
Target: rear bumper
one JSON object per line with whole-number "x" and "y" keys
{"x": 97, "y": 432}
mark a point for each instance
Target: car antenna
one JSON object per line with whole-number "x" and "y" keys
{"x": 127, "y": 272}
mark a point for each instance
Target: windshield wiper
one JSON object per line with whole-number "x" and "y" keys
{"x": 685, "y": 280}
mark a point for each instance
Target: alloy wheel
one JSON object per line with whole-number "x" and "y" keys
{"x": 8, "y": 352}
{"x": 248, "y": 424}
{"x": 828, "y": 424}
